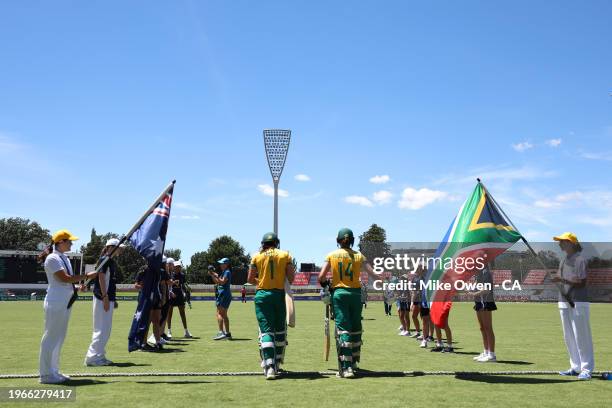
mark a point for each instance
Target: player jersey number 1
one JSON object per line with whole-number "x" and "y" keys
{"x": 348, "y": 272}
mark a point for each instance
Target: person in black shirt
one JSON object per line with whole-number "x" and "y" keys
{"x": 178, "y": 288}
{"x": 104, "y": 301}
{"x": 484, "y": 305}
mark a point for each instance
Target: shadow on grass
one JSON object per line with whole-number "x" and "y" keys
{"x": 79, "y": 382}
{"x": 173, "y": 382}
{"x": 467, "y": 353}
{"x": 239, "y": 339}
{"x": 288, "y": 375}
{"x": 115, "y": 364}
{"x": 514, "y": 362}
{"x": 170, "y": 350}
{"x": 367, "y": 373}
{"x": 503, "y": 379}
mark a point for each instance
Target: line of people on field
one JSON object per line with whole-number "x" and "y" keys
{"x": 270, "y": 270}
{"x": 170, "y": 291}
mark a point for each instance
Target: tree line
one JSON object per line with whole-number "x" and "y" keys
{"x": 25, "y": 235}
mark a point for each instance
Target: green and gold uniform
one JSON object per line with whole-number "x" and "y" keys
{"x": 346, "y": 267}
{"x": 270, "y": 308}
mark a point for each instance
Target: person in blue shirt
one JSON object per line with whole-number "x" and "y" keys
{"x": 223, "y": 298}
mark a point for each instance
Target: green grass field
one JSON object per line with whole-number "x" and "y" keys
{"x": 529, "y": 337}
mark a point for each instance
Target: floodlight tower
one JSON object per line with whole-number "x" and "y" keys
{"x": 276, "y": 142}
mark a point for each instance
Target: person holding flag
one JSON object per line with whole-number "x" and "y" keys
{"x": 480, "y": 232}
{"x": 61, "y": 294}
{"x": 104, "y": 292}
{"x": 269, "y": 269}
{"x": 149, "y": 238}
{"x": 346, "y": 265}
{"x": 575, "y": 318}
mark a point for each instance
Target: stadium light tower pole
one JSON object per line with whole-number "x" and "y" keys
{"x": 276, "y": 142}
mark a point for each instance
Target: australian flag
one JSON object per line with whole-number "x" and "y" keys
{"x": 149, "y": 239}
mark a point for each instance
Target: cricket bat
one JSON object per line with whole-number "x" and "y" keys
{"x": 289, "y": 305}
{"x": 327, "y": 340}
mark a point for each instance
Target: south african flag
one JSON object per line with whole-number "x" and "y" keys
{"x": 479, "y": 233}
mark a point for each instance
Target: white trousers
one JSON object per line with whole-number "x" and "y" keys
{"x": 102, "y": 324}
{"x": 577, "y": 334}
{"x": 56, "y": 326}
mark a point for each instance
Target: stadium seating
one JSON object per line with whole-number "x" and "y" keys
{"x": 535, "y": 277}
{"x": 301, "y": 279}
{"x": 500, "y": 275}
{"x": 599, "y": 277}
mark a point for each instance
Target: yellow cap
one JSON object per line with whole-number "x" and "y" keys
{"x": 567, "y": 236}
{"x": 63, "y": 234}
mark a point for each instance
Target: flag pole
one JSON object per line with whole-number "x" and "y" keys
{"x": 123, "y": 238}
{"x": 497, "y": 207}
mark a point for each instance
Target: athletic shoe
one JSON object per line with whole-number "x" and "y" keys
{"x": 407, "y": 333}
{"x": 96, "y": 363}
{"x": 419, "y": 338}
{"x": 478, "y": 357}
{"x": 569, "y": 372}
{"x": 52, "y": 379}
{"x": 349, "y": 373}
{"x": 220, "y": 336}
{"x": 152, "y": 349}
{"x": 448, "y": 350}
{"x": 423, "y": 344}
{"x": 401, "y": 328}
{"x": 107, "y": 362}
{"x": 270, "y": 373}
{"x": 164, "y": 336}
{"x": 437, "y": 349}
{"x": 430, "y": 338}
{"x": 228, "y": 336}
{"x": 169, "y": 335}
{"x": 487, "y": 358}
{"x": 416, "y": 334}
{"x": 187, "y": 334}
{"x": 162, "y": 340}
{"x": 584, "y": 376}
{"x": 402, "y": 333}
{"x": 67, "y": 378}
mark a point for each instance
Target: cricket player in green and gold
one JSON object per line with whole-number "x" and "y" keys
{"x": 269, "y": 269}
{"x": 346, "y": 266}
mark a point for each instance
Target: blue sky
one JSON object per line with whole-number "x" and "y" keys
{"x": 101, "y": 105}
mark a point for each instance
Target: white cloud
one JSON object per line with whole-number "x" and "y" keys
{"x": 268, "y": 190}
{"x": 8, "y": 145}
{"x": 547, "y": 204}
{"x": 382, "y": 197}
{"x": 533, "y": 235}
{"x": 380, "y": 179}
{"x": 416, "y": 199}
{"x": 186, "y": 217}
{"x": 553, "y": 142}
{"x": 605, "y": 156}
{"x": 522, "y": 146}
{"x": 359, "y": 200}
{"x": 186, "y": 206}
{"x": 302, "y": 177}
{"x": 597, "y": 221}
